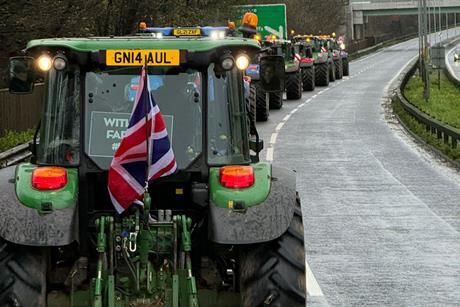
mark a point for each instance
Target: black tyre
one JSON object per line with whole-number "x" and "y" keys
{"x": 331, "y": 72}
{"x": 322, "y": 74}
{"x": 273, "y": 273}
{"x": 308, "y": 78}
{"x": 22, "y": 276}
{"x": 275, "y": 100}
{"x": 346, "y": 67}
{"x": 251, "y": 105}
{"x": 338, "y": 69}
{"x": 294, "y": 85}
{"x": 262, "y": 107}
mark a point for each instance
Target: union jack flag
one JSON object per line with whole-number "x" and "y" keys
{"x": 128, "y": 170}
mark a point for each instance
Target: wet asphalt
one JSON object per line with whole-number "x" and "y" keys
{"x": 381, "y": 214}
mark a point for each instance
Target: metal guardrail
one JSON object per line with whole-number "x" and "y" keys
{"x": 14, "y": 155}
{"x": 449, "y": 134}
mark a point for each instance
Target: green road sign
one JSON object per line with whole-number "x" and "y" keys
{"x": 272, "y": 18}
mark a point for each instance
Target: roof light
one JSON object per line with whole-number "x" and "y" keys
{"x": 49, "y": 178}
{"x": 250, "y": 20}
{"x": 231, "y": 25}
{"x": 44, "y": 62}
{"x": 217, "y": 34}
{"x": 237, "y": 176}
{"x": 242, "y": 62}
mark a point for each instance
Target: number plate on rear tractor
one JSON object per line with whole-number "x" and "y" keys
{"x": 141, "y": 57}
{"x": 187, "y": 32}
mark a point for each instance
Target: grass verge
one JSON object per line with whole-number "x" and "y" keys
{"x": 444, "y": 102}
{"x": 12, "y": 139}
{"x": 420, "y": 130}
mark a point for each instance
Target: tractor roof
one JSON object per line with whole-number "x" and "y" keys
{"x": 197, "y": 44}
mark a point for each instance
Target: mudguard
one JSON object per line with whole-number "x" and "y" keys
{"x": 261, "y": 223}
{"x": 23, "y": 225}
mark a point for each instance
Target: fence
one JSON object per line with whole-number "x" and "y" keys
{"x": 20, "y": 112}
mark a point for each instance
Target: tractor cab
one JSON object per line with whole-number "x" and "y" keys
{"x": 195, "y": 76}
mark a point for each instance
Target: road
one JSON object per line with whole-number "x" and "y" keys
{"x": 454, "y": 66}
{"x": 381, "y": 215}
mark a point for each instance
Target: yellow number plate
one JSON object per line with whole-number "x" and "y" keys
{"x": 187, "y": 32}
{"x": 139, "y": 57}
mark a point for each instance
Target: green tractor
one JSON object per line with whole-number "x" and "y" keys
{"x": 289, "y": 51}
{"x": 322, "y": 62}
{"x": 307, "y": 63}
{"x": 223, "y": 230}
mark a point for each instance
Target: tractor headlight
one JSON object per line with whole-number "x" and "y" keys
{"x": 44, "y": 62}
{"x": 227, "y": 62}
{"x": 59, "y": 62}
{"x": 456, "y": 56}
{"x": 242, "y": 62}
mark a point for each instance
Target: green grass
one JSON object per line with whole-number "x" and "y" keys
{"x": 420, "y": 130}
{"x": 444, "y": 103}
{"x": 12, "y": 139}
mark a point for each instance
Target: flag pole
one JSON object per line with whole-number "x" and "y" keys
{"x": 147, "y": 199}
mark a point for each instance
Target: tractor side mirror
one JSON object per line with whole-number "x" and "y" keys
{"x": 272, "y": 73}
{"x": 21, "y": 75}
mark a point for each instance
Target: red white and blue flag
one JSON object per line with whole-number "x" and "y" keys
{"x": 128, "y": 171}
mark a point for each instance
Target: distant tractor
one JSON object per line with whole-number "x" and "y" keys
{"x": 321, "y": 61}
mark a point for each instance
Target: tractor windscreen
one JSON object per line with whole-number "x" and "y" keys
{"x": 227, "y": 127}
{"x": 109, "y": 99}
{"x": 60, "y": 126}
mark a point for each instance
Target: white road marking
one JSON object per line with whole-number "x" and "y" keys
{"x": 286, "y": 117}
{"x": 273, "y": 138}
{"x": 313, "y": 287}
{"x": 269, "y": 156}
{"x": 280, "y": 125}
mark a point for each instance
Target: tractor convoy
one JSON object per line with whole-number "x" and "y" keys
{"x": 220, "y": 229}
{"x": 309, "y": 61}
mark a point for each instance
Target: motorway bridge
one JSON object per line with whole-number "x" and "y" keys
{"x": 381, "y": 213}
{"x": 362, "y": 9}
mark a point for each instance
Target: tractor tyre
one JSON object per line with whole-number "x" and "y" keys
{"x": 308, "y": 78}
{"x": 273, "y": 273}
{"x": 346, "y": 67}
{"x": 262, "y": 107}
{"x": 276, "y": 100}
{"x": 331, "y": 72}
{"x": 22, "y": 276}
{"x": 338, "y": 69}
{"x": 251, "y": 105}
{"x": 322, "y": 74}
{"x": 294, "y": 85}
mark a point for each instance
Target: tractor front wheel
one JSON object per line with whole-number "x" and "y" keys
{"x": 322, "y": 74}
{"x": 308, "y": 78}
{"x": 294, "y": 85}
{"x": 273, "y": 273}
{"x": 22, "y": 276}
{"x": 346, "y": 67}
